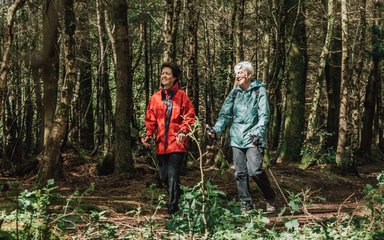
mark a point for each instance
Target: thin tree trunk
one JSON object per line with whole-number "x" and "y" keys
{"x": 372, "y": 92}
{"x": 276, "y": 76}
{"x": 332, "y": 77}
{"x": 49, "y": 61}
{"x": 192, "y": 74}
{"x": 104, "y": 117}
{"x": 170, "y": 26}
{"x": 29, "y": 115}
{"x": 341, "y": 158}
{"x": 122, "y": 145}
{"x": 51, "y": 163}
{"x": 85, "y": 118}
{"x": 314, "y": 115}
{"x": 357, "y": 84}
{"x": 39, "y": 110}
{"x": 239, "y": 30}
{"x": 146, "y": 60}
{"x": 4, "y": 69}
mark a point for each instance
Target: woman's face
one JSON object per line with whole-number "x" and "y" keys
{"x": 167, "y": 78}
{"x": 242, "y": 77}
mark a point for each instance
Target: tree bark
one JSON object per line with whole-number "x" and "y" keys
{"x": 372, "y": 92}
{"x": 85, "y": 117}
{"x": 239, "y": 30}
{"x": 51, "y": 162}
{"x": 170, "y": 27}
{"x": 277, "y": 74}
{"x": 192, "y": 74}
{"x": 314, "y": 116}
{"x": 4, "y": 69}
{"x": 49, "y": 61}
{"x": 122, "y": 145}
{"x": 341, "y": 158}
{"x": 297, "y": 75}
{"x": 332, "y": 77}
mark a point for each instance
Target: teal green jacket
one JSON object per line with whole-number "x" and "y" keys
{"x": 249, "y": 112}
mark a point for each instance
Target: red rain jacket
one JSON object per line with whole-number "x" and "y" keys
{"x": 181, "y": 119}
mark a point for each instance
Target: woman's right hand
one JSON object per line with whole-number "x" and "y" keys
{"x": 211, "y": 133}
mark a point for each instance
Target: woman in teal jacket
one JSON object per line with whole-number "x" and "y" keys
{"x": 247, "y": 106}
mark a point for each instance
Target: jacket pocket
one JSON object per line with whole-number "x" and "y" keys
{"x": 177, "y": 114}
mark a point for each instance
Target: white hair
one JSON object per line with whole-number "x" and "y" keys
{"x": 247, "y": 65}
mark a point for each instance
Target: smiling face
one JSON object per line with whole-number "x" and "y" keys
{"x": 243, "y": 78}
{"x": 167, "y": 78}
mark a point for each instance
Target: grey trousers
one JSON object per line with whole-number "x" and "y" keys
{"x": 248, "y": 162}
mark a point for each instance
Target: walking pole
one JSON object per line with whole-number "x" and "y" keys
{"x": 278, "y": 186}
{"x": 273, "y": 176}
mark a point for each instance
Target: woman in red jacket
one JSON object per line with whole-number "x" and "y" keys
{"x": 170, "y": 116}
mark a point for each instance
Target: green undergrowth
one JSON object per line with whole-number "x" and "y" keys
{"x": 44, "y": 214}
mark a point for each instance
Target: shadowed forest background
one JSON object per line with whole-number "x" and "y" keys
{"x": 76, "y": 77}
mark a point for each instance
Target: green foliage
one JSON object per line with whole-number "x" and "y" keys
{"x": 224, "y": 219}
{"x": 230, "y": 224}
{"x": 33, "y": 217}
{"x": 313, "y": 153}
{"x": 39, "y": 215}
{"x": 374, "y": 200}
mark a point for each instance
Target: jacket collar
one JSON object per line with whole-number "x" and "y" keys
{"x": 169, "y": 92}
{"x": 254, "y": 84}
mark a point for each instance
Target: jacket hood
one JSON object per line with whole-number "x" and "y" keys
{"x": 254, "y": 84}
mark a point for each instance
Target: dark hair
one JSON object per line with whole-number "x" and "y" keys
{"x": 176, "y": 71}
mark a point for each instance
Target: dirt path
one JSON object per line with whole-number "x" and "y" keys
{"x": 328, "y": 195}
{"x": 131, "y": 199}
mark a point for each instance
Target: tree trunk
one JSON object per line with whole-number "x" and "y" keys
{"x": 332, "y": 77}
{"x": 29, "y": 115}
{"x": 239, "y": 30}
{"x": 49, "y": 61}
{"x": 277, "y": 74}
{"x": 192, "y": 74}
{"x": 297, "y": 75}
{"x": 372, "y": 92}
{"x": 104, "y": 117}
{"x": 341, "y": 158}
{"x": 313, "y": 123}
{"x": 170, "y": 27}
{"x": 147, "y": 63}
{"x": 4, "y": 67}
{"x": 314, "y": 116}
{"x": 86, "y": 122}
{"x": 51, "y": 162}
{"x": 36, "y": 75}
{"x": 122, "y": 145}
{"x": 357, "y": 83}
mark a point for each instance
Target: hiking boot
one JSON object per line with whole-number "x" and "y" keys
{"x": 245, "y": 206}
{"x": 172, "y": 209}
{"x": 270, "y": 208}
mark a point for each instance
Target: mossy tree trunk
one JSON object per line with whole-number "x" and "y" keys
{"x": 51, "y": 162}
{"x": 296, "y": 81}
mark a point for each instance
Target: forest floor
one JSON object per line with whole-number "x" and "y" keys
{"x": 130, "y": 200}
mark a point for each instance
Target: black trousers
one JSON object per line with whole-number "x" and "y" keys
{"x": 169, "y": 173}
{"x": 248, "y": 162}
